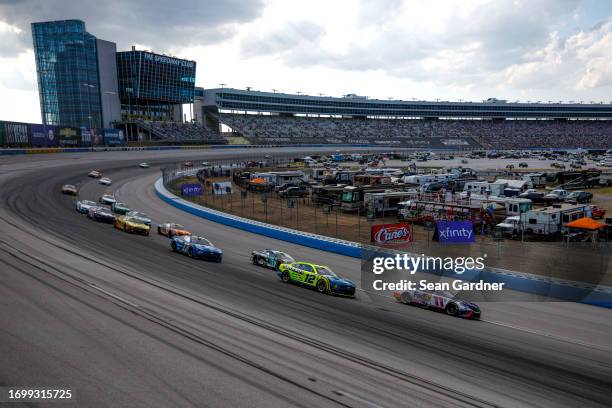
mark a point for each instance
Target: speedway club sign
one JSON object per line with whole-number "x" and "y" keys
{"x": 391, "y": 233}
{"x": 454, "y": 232}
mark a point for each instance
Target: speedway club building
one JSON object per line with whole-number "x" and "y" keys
{"x": 91, "y": 94}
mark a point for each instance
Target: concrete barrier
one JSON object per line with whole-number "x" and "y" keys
{"x": 596, "y": 296}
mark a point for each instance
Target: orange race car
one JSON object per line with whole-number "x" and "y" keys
{"x": 171, "y": 229}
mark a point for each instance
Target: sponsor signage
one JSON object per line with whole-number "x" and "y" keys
{"x": 113, "y": 137}
{"x": 68, "y": 136}
{"x": 391, "y": 233}
{"x": 16, "y": 133}
{"x": 454, "y": 232}
{"x": 191, "y": 190}
{"x": 168, "y": 60}
{"x": 42, "y": 136}
{"x": 222, "y": 187}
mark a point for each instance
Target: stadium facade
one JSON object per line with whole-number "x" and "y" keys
{"x": 76, "y": 75}
{"x": 356, "y": 106}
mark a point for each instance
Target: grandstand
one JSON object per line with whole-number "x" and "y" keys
{"x": 176, "y": 132}
{"x": 275, "y": 118}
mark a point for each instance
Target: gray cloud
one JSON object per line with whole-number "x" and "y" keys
{"x": 294, "y": 38}
{"x": 162, "y": 24}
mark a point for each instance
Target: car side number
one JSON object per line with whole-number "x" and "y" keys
{"x": 310, "y": 279}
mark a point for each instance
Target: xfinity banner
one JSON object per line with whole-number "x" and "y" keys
{"x": 191, "y": 190}
{"x": 454, "y": 232}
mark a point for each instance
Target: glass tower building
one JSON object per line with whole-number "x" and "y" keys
{"x": 68, "y": 77}
{"x": 154, "y": 86}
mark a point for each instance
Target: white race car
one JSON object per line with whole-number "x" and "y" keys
{"x": 439, "y": 300}
{"x": 95, "y": 174}
{"x": 107, "y": 199}
{"x": 144, "y": 165}
{"x": 105, "y": 181}
{"x": 83, "y": 206}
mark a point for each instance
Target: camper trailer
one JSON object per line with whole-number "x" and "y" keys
{"x": 352, "y": 196}
{"x": 387, "y": 202}
{"x": 549, "y": 220}
{"x": 278, "y": 178}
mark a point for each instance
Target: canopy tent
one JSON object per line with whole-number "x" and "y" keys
{"x": 585, "y": 223}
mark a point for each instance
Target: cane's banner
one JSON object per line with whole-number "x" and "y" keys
{"x": 454, "y": 232}
{"x": 391, "y": 233}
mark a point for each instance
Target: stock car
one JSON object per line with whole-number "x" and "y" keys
{"x": 171, "y": 229}
{"x": 439, "y": 300}
{"x": 144, "y": 165}
{"x": 140, "y": 217}
{"x": 120, "y": 208}
{"x": 95, "y": 174}
{"x": 69, "y": 189}
{"x": 129, "y": 224}
{"x": 105, "y": 181}
{"x": 271, "y": 258}
{"x": 107, "y": 199}
{"x": 83, "y": 206}
{"x": 196, "y": 247}
{"x": 101, "y": 214}
{"x": 316, "y": 276}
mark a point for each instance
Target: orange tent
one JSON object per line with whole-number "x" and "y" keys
{"x": 258, "y": 180}
{"x": 585, "y": 223}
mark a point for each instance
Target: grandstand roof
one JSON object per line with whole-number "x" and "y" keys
{"x": 256, "y": 101}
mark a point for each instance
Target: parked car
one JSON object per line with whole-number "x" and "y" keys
{"x": 293, "y": 192}
{"x": 597, "y": 212}
{"x": 579, "y": 197}
{"x": 511, "y": 225}
{"x": 556, "y": 195}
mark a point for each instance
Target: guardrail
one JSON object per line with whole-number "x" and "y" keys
{"x": 522, "y": 282}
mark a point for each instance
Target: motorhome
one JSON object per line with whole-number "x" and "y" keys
{"x": 327, "y": 194}
{"x": 387, "y": 202}
{"x": 483, "y": 188}
{"x": 353, "y": 197}
{"x": 340, "y": 176}
{"x": 549, "y": 220}
{"x": 278, "y": 178}
{"x": 421, "y": 179}
{"x": 538, "y": 180}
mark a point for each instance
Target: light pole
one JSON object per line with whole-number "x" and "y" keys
{"x": 89, "y": 86}
{"x": 220, "y": 125}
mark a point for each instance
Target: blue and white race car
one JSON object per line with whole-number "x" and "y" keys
{"x": 439, "y": 300}
{"x": 83, "y": 206}
{"x": 196, "y": 247}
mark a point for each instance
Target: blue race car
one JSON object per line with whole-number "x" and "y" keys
{"x": 196, "y": 247}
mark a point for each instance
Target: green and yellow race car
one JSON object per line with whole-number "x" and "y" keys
{"x": 131, "y": 225}
{"x": 317, "y": 276}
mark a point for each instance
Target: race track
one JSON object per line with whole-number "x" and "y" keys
{"x": 124, "y": 321}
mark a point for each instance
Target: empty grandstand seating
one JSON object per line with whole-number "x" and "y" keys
{"x": 491, "y": 134}
{"x": 181, "y": 132}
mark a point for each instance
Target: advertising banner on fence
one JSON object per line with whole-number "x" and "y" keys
{"x": 222, "y": 187}
{"x": 113, "y": 137}
{"x": 68, "y": 137}
{"x": 90, "y": 136}
{"x": 16, "y": 134}
{"x": 454, "y": 232}
{"x": 42, "y": 136}
{"x": 400, "y": 232}
{"x": 191, "y": 190}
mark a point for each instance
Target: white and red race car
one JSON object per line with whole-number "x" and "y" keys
{"x": 439, "y": 300}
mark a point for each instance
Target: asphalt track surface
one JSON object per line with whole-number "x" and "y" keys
{"x": 123, "y": 321}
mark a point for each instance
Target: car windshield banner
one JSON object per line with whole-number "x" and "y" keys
{"x": 391, "y": 233}
{"x": 190, "y": 190}
{"x": 454, "y": 232}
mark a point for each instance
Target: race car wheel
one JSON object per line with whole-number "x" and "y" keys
{"x": 322, "y": 286}
{"x": 190, "y": 253}
{"x": 173, "y": 246}
{"x": 261, "y": 262}
{"x": 158, "y": 230}
{"x": 452, "y": 309}
{"x": 285, "y": 277}
{"x": 255, "y": 260}
{"x": 406, "y": 298}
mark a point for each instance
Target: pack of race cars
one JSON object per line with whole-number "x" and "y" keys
{"x": 306, "y": 274}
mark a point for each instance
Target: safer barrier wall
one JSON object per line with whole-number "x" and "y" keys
{"x": 543, "y": 286}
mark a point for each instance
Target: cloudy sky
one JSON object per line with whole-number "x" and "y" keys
{"x": 536, "y": 50}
